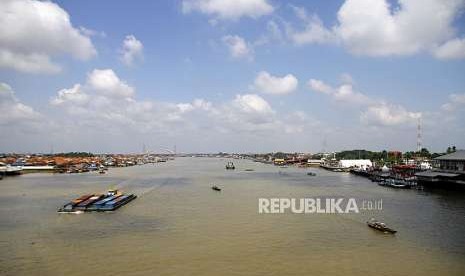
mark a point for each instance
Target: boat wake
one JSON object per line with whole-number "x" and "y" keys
{"x": 143, "y": 186}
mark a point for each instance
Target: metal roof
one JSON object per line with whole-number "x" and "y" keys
{"x": 458, "y": 155}
{"x": 435, "y": 174}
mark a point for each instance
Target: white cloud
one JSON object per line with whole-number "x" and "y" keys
{"x": 32, "y": 32}
{"x": 238, "y": 47}
{"x": 452, "y": 49}
{"x": 314, "y": 32}
{"x": 344, "y": 93}
{"x": 106, "y": 82}
{"x": 71, "y": 95}
{"x": 12, "y": 111}
{"x": 132, "y": 50}
{"x": 374, "y": 111}
{"x": 388, "y": 115}
{"x": 28, "y": 63}
{"x": 266, "y": 83}
{"x": 108, "y": 103}
{"x": 86, "y": 107}
{"x": 378, "y": 28}
{"x": 103, "y": 96}
{"x": 252, "y": 103}
{"x": 320, "y": 86}
{"x": 455, "y": 101}
{"x": 229, "y": 9}
{"x": 373, "y": 27}
{"x": 197, "y": 104}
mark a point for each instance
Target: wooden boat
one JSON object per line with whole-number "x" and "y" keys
{"x": 380, "y": 226}
{"x": 216, "y": 188}
{"x": 395, "y": 183}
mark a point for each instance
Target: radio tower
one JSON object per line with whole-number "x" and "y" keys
{"x": 419, "y": 135}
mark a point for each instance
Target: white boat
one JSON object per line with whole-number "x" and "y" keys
{"x": 9, "y": 170}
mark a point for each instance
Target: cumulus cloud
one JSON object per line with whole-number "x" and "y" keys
{"x": 238, "y": 47}
{"x": 250, "y": 114}
{"x": 388, "y": 115}
{"x": 94, "y": 106}
{"x": 103, "y": 96}
{"x": 71, "y": 95}
{"x": 12, "y": 111}
{"x": 108, "y": 83}
{"x": 132, "y": 50}
{"x": 452, "y": 49}
{"x": 455, "y": 102}
{"x": 106, "y": 102}
{"x": 320, "y": 86}
{"x": 32, "y": 32}
{"x": 269, "y": 84}
{"x": 252, "y": 103}
{"x": 344, "y": 93}
{"x": 102, "y": 85}
{"x": 374, "y": 111}
{"x": 314, "y": 31}
{"x": 229, "y": 9}
{"x": 379, "y": 28}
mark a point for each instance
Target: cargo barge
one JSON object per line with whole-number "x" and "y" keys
{"x": 110, "y": 201}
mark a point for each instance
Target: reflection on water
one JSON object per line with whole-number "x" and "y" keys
{"x": 179, "y": 226}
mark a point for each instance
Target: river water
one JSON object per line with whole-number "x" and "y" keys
{"x": 179, "y": 226}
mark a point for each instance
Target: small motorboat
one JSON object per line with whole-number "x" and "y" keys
{"x": 399, "y": 186}
{"x": 311, "y": 174}
{"x": 249, "y": 170}
{"x": 230, "y": 166}
{"x": 380, "y": 226}
{"x": 216, "y": 188}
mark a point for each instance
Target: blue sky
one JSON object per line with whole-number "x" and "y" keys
{"x": 249, "y": 76}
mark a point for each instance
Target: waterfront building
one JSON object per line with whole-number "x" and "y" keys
{"x": 448, "y": 171}
{"x": 355, "y": 163}
{"x": 314, "y": 162}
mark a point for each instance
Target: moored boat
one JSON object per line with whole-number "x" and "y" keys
{"x": 10, "y": 170}
{"x": 380, "y": 226}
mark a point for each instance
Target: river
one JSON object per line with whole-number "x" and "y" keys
{"x": 179, "y": 226}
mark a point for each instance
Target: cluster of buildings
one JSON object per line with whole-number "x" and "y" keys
{"x": 444, "y": 171}
{"x": 17, "y": 163}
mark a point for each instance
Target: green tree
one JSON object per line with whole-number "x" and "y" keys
{"x": 425, "y": 153}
